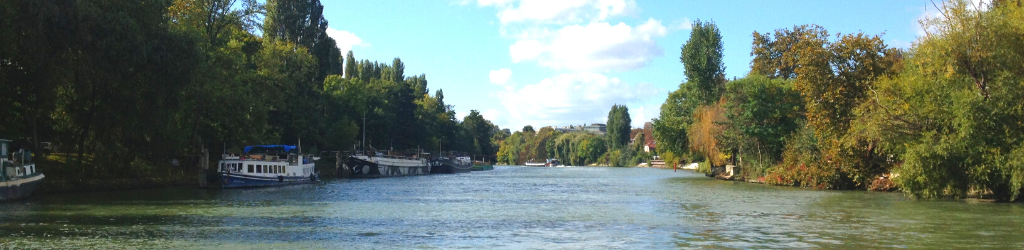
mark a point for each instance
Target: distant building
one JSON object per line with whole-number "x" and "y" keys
{"x": 651, "y": 146}
{"x": 597, "y": 128}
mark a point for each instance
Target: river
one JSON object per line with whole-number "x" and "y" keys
{"x": 509, "y": 208}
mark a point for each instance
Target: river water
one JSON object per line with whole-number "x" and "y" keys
{"x": 509, "y": 208}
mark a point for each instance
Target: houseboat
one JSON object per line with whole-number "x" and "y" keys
{"x": 386, "y": 164}
{"x": 451, "y": 165}
{"x": 268, "y": 165}
{"x": 18, "y": 175}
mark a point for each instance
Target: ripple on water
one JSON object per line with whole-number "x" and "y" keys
{"x": 510, "y": 208}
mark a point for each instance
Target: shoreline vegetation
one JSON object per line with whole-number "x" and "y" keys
{"x": 137, "y": 94}
{"x": 940, "y": 119}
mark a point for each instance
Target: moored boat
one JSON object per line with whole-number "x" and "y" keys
{"x": 378, "y": 165}
{"x": 18, "y": 175}
{"x": 451, "y": 165}
{"x": 482, "y": 165}
{"x": 532, "y": 163}
{"x": 267, "y": 165}
{"x": 553, "y": 163}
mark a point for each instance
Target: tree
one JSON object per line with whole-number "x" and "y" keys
{"x": 777, "y": 57}
{"x": 952, "y": 135}
{"x": 528, "y": 129}
{"x": 760, "y": 113}
{"x": 701, "y": 56}
{"x": 618, "y": 126}
{"x": 350, "y": 66}
{"x": 833, "y": 78}
{"x": 480, "y": 130}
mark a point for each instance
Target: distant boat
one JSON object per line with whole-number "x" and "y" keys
{"x": 449, "y": 165}
{"x": 18, "y": 175}
{"x": 378, "y": 165}
{"x": 531, "y": 163}
{"x": 267, "y": 165}
{"x": 553, "y": 163}
{"x": 482, "y": 165}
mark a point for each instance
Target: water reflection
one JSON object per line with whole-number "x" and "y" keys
{"x": 509, "y": 207}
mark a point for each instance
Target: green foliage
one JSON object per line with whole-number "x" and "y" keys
{"x": 704, "y": 167}
{"x": 953, "y": 115}
{"x": 480, "y": 131}
{"x": 701, "y": 56}
{"x": 618, "y": 126}
{"x": 136, "y": 83}
{"x": 761, "y": 113}
{"x": 673, "y": 122}
{"x": 833, "y": 77}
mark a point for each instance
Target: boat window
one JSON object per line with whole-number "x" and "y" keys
{"x": 259, "y": 168}
{"x": 250, "y": 168}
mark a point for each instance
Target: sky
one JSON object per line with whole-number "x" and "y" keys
{"x": 566, "y": 62}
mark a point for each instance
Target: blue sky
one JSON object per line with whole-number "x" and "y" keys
{"x": 558, "y": 63}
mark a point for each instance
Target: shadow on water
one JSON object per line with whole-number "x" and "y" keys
{"x": 509, "y": 207}
{"x": 744, "y": 215}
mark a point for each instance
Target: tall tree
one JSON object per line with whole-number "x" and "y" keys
{"x": 701, "y": 56}
{"x": 777, "y": 56}
{"x": 480, "y": 131}
{"x": 618, "y": 126}
{"x": 351, "y": 70}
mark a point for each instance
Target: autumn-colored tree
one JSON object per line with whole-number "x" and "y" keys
{"x": 704, "y": 134}
{"x": 953, "y": 117}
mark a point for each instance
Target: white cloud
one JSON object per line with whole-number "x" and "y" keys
{"x": 637, "y": 117}
{"x": 501, "y": 76}
{"x": 560, "y": 11}
{"x": 568, "y": 99}
{"x": 684, "y": 24}
{"x": 594, "y": 47}
{"x": 345, "y": 40}
{"x": 491, "y": 114}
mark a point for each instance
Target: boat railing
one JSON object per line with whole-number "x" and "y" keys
{"x": 381, "y": 154}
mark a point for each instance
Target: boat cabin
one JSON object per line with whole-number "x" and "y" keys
{"x": 268, "y": 160}
{"x": 16, "y": 165}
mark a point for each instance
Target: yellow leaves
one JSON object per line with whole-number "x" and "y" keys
{"x": 709, "y": 124}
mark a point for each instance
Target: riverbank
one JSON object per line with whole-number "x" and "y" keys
{"x": 87, "y": 176}
{"x": 64, "y": 177}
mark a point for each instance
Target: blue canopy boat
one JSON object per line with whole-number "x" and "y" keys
{"x": 267, "y": 165}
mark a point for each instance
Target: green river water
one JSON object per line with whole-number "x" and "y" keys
{"x": 508, "y": 208}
